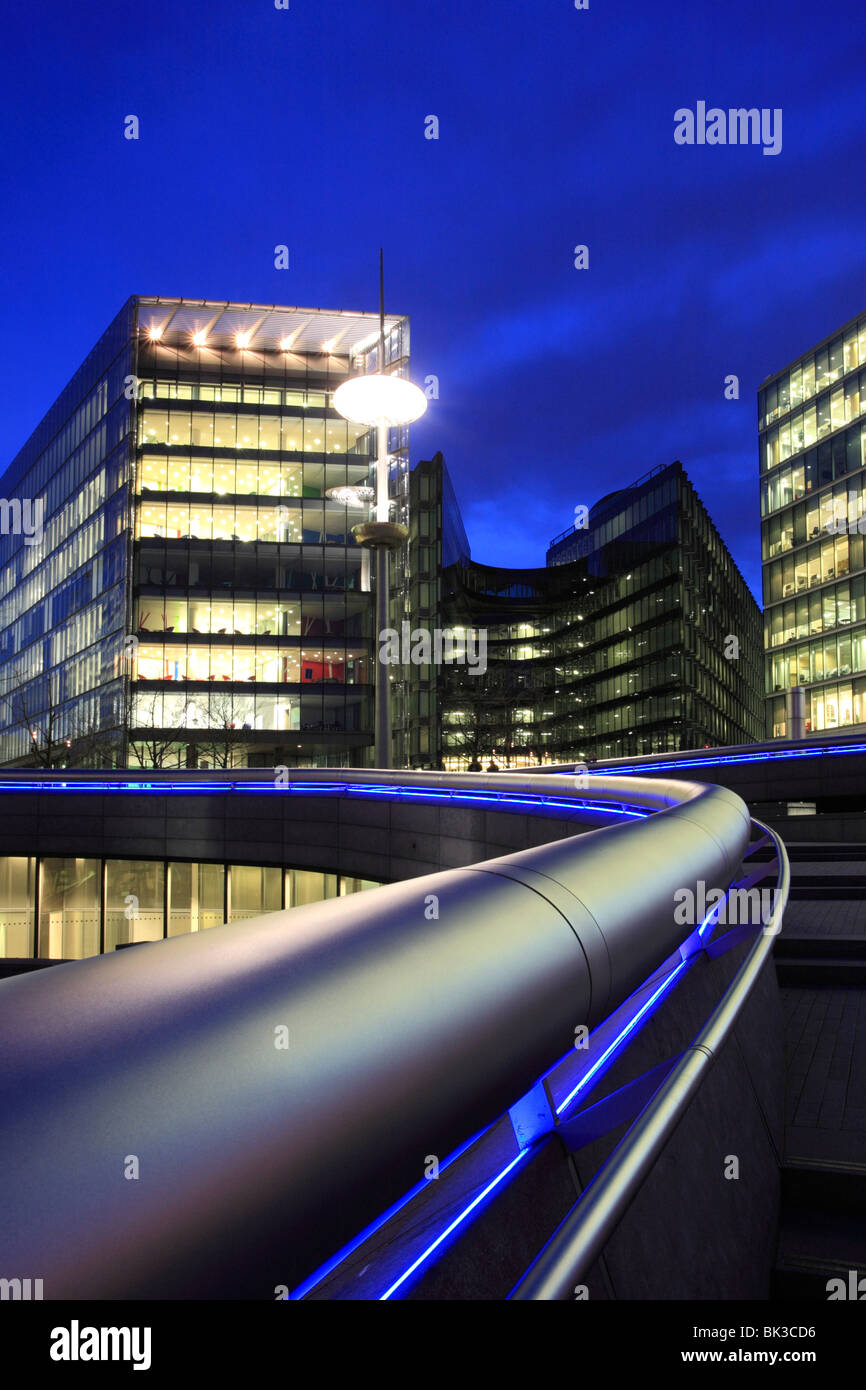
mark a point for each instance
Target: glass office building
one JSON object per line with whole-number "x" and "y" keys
{"x": 437, "y": 540}
{"x": 812, "y": 429}
{"x": 191, "y": 596}
{"x": 640, "y": 636}
{"x": 69, "y": 907}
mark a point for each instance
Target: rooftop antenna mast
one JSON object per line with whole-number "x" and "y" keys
{"x": 381, "y": 311}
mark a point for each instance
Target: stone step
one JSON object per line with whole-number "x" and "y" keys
{"x": 818, "y": 1245}
{"x": 837, "y": 890}
{"x": 819, "y": 948}
{"x": 819, "y": 970}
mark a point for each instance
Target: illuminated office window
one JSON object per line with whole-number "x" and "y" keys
{"x": 306, "y": 886}
{"x": 133, "y": 902}
{"x": 17, "y": 906}
{"x": 195, "y": 897}
{"x": 69, "y": 908}
{"x": 253, "y": 891}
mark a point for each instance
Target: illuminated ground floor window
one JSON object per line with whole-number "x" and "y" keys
{"x": 69, "y": 908}
{"x": 839, "y": 706}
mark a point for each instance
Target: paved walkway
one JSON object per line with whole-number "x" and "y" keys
{"x": 825, "y": 1045}
{"x": 825, "y": 1092}
{"x": 825, "y": 1048}
{"x": 828, "y": 918}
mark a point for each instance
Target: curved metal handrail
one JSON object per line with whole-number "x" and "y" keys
{"x": 580, "y": 1239}
{"x": 413, "y": 1015}
{"x": 655, "y": 793}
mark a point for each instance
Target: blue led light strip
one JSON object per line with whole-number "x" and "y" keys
{"x": 425, "y": 1254}
{"x": 345, "y": 1251}
{"x": 722, "y": 759}
{"x": 629, "y": 1027}
{"x": 710, "y": 759}
{"x": 708, "y": 920}
{"x": 454, "y": 795}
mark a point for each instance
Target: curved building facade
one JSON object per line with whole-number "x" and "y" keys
{"x": 640, "y": 636}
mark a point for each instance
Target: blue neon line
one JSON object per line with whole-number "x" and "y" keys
{"x": 425, "y": 1255}
{"x": 317, "y": 788}
{"x": 711, "y": 760}
{"x": 607, "y": 770}
{"x": 705, "y": 923}
{"x": 667, "y": 981}
{"x": 632, "y": 1023}
{"x": 304, "y": 786}
{"x": 351, "y": 1246}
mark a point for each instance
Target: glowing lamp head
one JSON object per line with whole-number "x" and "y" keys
{"x": 367, "y": 400}
{"x": 200, "y": 338}
{"x": 243, "y": 339}
{"x": 285, "y": 344}
{"x": 154, "y": 333}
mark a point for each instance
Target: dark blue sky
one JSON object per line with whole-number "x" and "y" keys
{"x": 306, "y": 127}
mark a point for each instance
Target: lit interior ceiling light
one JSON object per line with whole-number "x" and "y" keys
{"x": 199, "y": 338}
{"x": 154, "y": 332}
{"x": 243, "y": 339}
{"x": 285, "y": 345}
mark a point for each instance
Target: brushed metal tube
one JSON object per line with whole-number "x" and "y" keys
{"x": 579, "y": 1240}
{"x": 408, "y": 1031}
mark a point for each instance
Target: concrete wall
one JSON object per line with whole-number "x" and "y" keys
{"x": 375, "y": 838}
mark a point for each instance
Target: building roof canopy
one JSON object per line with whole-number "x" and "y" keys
{"x": 335, "y": 331}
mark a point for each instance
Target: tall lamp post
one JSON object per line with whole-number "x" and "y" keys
{"x": 384, "y": 402}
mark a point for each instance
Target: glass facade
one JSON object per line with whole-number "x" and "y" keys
{"x": 196, "y": 599}
{"x": 620, "y": 647}
{"x": 70, "y": 908}
{"x": 68, "y": 917}
{"x": 813, "y": 530}
{"x": 63, "y": 586}
{"x": 437, "y": 540}
{"x": 17, "y": 906}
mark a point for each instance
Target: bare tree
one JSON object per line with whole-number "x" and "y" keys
{"x": 490, "y": 706}
{"x": 46, "y": 748}
{"x": 89, "y": 743}
{"x": 32, "y": 705}
{"x": 60, "y": 735}
{"x": 221, "y": 744}
{"x": 470, "y": 737}
{"x": 154, "y": 745}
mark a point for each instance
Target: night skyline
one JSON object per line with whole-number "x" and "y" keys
{"x": 703, "y": 261}
{"x": 433, "y": 728}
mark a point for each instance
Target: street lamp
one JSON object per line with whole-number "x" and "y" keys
{"x": 384, "y": 402}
